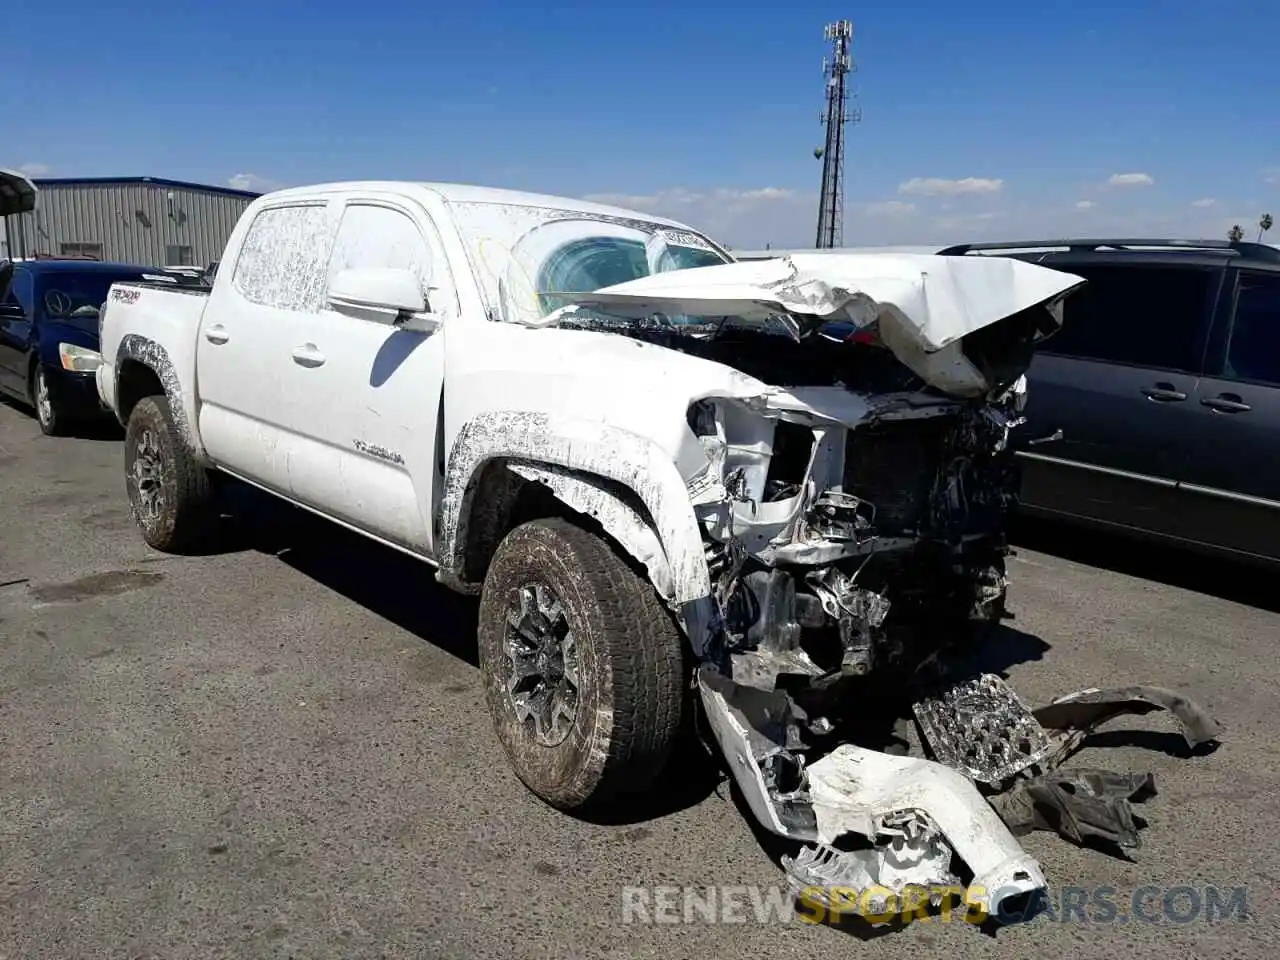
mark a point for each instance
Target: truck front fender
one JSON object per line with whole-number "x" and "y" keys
{"x": 579, "y": 460}
{"x": 135, "y": 349}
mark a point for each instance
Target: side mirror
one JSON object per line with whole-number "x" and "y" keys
{"x": 384, "y": 289}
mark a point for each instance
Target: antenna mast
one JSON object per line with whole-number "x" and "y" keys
{"x": 831, "y": 199}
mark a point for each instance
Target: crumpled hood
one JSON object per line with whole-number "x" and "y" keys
{"x": 938, "y": 299}
{"x": 924, "y": 304}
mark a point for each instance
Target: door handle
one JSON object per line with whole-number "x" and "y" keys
{"x": 1164, "y": 393}
{"x": 1226, "y": 403}
{"x": 1056, "y": 435}
{"x": 307, "y": 355}
{"x": 217, "y": 334}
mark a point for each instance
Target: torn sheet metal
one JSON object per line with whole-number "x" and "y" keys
{"x": 1085, "y": 710}
{"x": 1078, "y": 804}
{"x": 855, "y": 790}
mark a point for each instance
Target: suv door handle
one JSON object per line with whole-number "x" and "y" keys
{"x": 217, "y": 334}
{"x": 1226, "y": 403}
{"x": 307, "y": 355}
{"x": 1163, "y": 393}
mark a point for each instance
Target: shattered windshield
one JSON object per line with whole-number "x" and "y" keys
{"x": 528, "y": 259}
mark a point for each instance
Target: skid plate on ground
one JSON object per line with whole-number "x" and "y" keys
{"x": 981, "y": 728}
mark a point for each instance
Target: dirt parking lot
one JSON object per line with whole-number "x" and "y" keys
{"x": 282, "y": 750}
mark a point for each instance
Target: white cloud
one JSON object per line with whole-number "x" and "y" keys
{"x": 939, "y": 187}
{"x": 1271, "y": 175}
{"x": 888, "y": 208}
{"x": 1131, "y": 180}
{"x": 1085, "y": 204}
{"x": 253, "y": 182}
{"x": 1204, "y": 203}
{"x": 34, "y": 169}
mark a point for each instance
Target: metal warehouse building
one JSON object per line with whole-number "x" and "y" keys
{"x": 142, "y": 220}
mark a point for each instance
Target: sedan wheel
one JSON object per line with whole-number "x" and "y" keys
{"x": 46, "y": 414}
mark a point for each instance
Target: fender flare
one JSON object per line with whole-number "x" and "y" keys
{"x": 154, "y": 357}
{"x": 571, "y": 455}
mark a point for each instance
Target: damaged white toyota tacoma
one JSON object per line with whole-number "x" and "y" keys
{"x": 759, "y": 491}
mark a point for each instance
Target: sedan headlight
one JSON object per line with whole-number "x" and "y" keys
{"x": 78, "y": 359}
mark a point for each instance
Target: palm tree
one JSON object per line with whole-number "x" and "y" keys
{"x": 1264, "y": 225}
{"x": 1235, "y": 234}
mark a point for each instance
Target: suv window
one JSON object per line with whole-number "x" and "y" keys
{"x": 1253, "y": 353}
{"x": 1150, "y": 316}
{"x": 282, "y": 260}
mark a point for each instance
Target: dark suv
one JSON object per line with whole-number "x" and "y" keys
{"x": 1156, "y": 407}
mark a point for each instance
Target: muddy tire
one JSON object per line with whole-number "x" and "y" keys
{"x": 583, "y": 667}
{"x": 170, "y": 494}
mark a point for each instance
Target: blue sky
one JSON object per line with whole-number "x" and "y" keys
{"x": 993, "y": 119}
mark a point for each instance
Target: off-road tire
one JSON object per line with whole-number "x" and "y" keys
{"x": 186, "y": 518}
{"x": 630, "y": 663}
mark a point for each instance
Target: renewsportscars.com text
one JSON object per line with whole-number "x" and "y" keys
{"x": 744, "y": 904}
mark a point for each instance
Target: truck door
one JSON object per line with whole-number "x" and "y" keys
{"x": 362, "y": 396}
{"x": 248, "y": 331}
{"x": 1232, "y": 485}
{"x": 1119, "y": 380}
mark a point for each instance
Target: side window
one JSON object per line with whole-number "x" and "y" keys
{"x": 375, "y": 236}
{"x": 282, "y": 261}
{"x": 22, "y": 290}
{"x": 1253, "y": 352}
{"x": 1149, "y": 316}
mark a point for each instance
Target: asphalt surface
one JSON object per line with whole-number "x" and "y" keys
{"x": 283, "y": 750}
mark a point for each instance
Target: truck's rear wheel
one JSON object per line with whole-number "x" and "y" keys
{"x": 582, "y": 666}
{"x": 170, "y": 493}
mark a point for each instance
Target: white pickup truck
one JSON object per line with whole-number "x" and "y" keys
{"x": 663, "y": 472}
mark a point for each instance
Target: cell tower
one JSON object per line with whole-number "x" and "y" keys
{"x": 831, "y": 199}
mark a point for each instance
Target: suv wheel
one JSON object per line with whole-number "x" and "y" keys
{"x": 170, "y": 493}
{"x": 583, "y": 667}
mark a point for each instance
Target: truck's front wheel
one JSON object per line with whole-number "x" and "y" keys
{"x": 582, "y": 665}
{"x": 170, "y": 493}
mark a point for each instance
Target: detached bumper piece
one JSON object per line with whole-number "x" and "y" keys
{"x": 981, "y": 728}
{"x": 876, "y": 823}
{"x": 881, "y": 825}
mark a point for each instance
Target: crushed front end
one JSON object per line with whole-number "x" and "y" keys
{"x": 845, "y": 555}
{"x": 852, "y": 491}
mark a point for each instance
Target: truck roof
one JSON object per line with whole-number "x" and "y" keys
{"x": 464, "y": 193}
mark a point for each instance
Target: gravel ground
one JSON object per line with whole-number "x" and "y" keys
{"x": 283, "y": 751}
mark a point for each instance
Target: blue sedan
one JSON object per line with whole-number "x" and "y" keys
{"x": 49, "y": 335}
